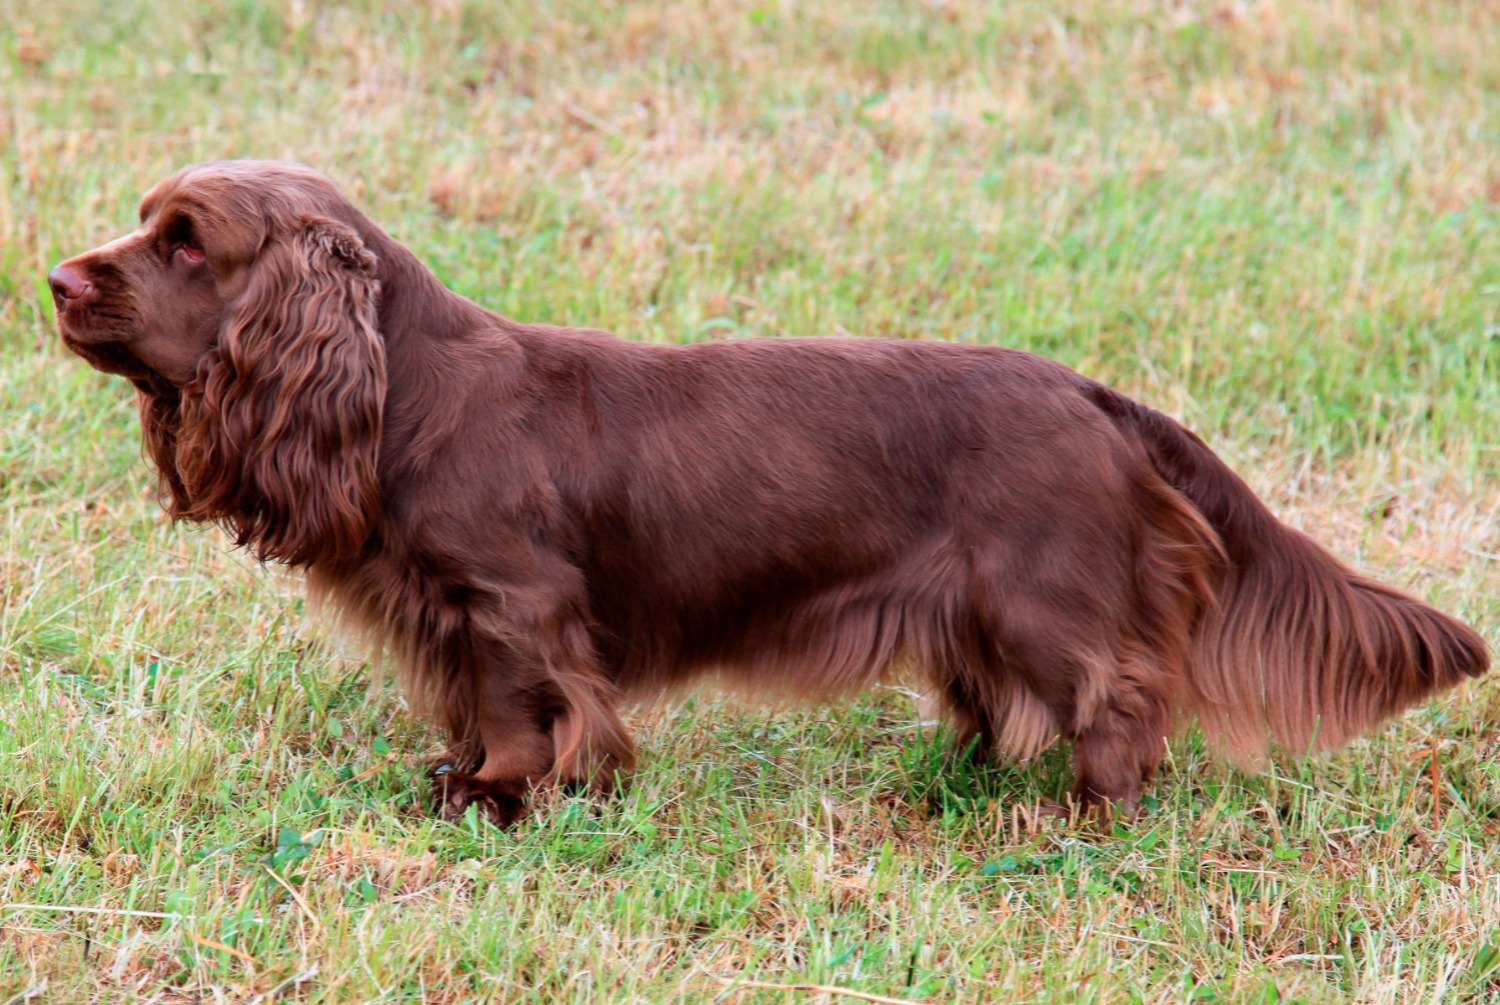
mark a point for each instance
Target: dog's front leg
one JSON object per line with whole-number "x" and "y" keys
{"x": 511, "y": 719}
{"x": 542, "y": 717}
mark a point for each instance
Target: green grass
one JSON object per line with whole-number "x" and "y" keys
{"x": 1275, "y": 219}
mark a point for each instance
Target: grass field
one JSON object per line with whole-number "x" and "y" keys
{"x": 1278, "y": 220}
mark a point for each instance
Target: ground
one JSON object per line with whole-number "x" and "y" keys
{"x": 1276, "y": 220}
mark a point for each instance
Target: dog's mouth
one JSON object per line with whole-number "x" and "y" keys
{"x": 100, "y": 329}
{"x": 110, "y": 357}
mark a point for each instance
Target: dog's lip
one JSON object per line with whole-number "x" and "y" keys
{"x": 108, "y": 355}
{"x": 76, "y": 330}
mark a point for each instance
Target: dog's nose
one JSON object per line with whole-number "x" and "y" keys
{"x": 67, "y": 285}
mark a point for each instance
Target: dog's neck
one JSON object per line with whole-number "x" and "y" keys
{"x": 414, "y": 302}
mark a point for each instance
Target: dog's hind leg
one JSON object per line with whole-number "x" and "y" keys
{"x": 1109, "y": 705}
{"x": 973, "y": 723}
{"x": 1119, "y": 740}
{"x": 994, "y": 716}
{"x": 1060, "y": 665}
{"x": 1120, "y": 737}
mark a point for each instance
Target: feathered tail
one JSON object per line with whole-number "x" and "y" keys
{"x": 1298, "y": 646}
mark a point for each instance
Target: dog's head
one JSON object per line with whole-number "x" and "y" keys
{"x": 244, "y": 310}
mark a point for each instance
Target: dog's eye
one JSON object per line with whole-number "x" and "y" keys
{"x": 182, "y": 241}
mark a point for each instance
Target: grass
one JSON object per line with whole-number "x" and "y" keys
{"x": 1277, "y": 220}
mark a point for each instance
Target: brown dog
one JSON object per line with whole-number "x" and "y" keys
{"x": 537, "y": 519}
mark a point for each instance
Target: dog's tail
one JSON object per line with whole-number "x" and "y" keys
{"x": 1297, "y": 645}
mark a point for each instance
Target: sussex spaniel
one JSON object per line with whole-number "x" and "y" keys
{"x": 537, "y": 520}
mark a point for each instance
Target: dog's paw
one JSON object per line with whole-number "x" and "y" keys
{"x": 453, "y": 794}
{"x": 1051, "y": 809}
{"x": 1091, "y": 811}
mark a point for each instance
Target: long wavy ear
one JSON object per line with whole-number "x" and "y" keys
{"x": 161, "y": 415}
{"x": 280, "y": 431}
